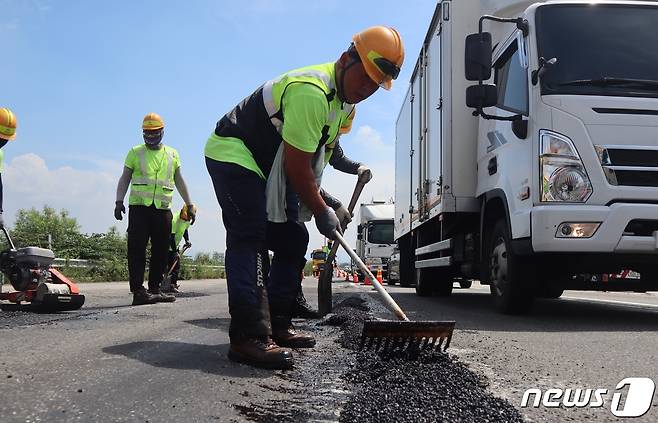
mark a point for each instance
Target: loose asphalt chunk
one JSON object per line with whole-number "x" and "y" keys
{"x": 336, "y": 382}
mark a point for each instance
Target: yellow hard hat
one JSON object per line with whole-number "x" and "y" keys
{"x": 7, "y": 124}
{"x": 152, "y": 121}
{"x": 382, "y": 53}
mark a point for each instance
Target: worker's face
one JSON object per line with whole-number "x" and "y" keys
{"x": 152, "y": 138}
{"x": 357, "y": 85}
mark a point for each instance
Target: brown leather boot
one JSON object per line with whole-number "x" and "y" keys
{"x": 260, "y": 352}
{"x": 142, "y": 297}
{"x": 287, "y": 336}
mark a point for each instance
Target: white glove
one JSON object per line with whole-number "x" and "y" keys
{"x": 344, "y": 216}
{"x": 365, "y": 174}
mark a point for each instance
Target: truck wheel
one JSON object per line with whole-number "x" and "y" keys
{"x": 551, "y": 292}
{"x": 508, "y": 275}
{"x": 465, "y": 284}
{"x": 433, "y": 281}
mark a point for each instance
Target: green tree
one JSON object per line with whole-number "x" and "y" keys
{"x": 33, "y": 227}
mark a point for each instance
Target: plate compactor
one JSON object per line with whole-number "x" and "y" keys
{"x": 30, "y": 273}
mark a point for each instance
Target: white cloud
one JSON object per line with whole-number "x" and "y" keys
{"x": 368, "y": 138}
{"x": 89, "y": 196}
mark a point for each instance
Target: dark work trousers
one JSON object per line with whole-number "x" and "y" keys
{"x": 241, "y": 195}
{"x": 146, "y": 223}
{"x": 173, "y": 256}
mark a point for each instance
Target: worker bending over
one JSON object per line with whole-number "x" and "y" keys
{"x": 265, "y": 154}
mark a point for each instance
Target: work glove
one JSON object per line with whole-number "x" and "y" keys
{"x": 191, "y": 212}
{"x": 119, "y": 210}
{"x": 344, "y": 216}
{"x": 327, "y": 223}
{"x": 187, "y": 245}
{"x": 365, "y": 174}
{"x": 2, "y": 221}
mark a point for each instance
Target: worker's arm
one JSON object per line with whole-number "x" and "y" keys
{"x": 342, "y": 163}
{"x": 172, "y": 242}
{"x": 2, "y": 220}
{"x": 182, "y": 187}
{"x": 122, "y": 188}
{"x": 297, "y": 165}
{"x": 124, "y": 182}
{"x": 186, "y": 236}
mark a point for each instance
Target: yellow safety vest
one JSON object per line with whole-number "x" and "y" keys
{"x": 178, "y": 228}
{"x": 153, "y": 180}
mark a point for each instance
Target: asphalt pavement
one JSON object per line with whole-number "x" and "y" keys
{"x": 110, "y": 361}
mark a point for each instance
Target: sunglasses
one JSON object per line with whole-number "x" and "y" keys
{"x": 387, "y": 67}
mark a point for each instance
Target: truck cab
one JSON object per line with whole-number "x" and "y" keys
{"x": 545, "y": 148}
{"x": 375, "y": 241}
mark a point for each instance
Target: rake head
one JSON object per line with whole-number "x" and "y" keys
{"x": 390, "y": 336}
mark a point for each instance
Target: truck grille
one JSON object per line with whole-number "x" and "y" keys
{"x": 633, "y": 166}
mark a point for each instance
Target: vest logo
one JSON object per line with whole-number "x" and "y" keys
{"x": 636, "y": 401}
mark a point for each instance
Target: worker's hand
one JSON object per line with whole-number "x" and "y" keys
{"x": 191, "y": 212}
{"x": 365, "y": 174}
{"x": 119, "y": 210}
{"x": 344, "y": 216}
{"x": 187, "y": 245}
{"x": 327, "y": 223}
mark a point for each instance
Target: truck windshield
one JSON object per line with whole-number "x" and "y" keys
{"x": 602, "y": 49}
{"x": 380, "y": 232}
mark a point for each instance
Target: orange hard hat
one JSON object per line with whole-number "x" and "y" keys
{"x": 7, "y": 124}
{"x": 382, "y": 53}
{"x": 152, "y": 121}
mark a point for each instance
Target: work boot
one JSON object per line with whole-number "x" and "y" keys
{"x": 173, "y": 289}
{"x": 260, "y": 352}
{"x": 161, "y": 297}
{"x": 303, "y": 309}
{"x": 142, "y": 296}
{"x": 288, "y": 337}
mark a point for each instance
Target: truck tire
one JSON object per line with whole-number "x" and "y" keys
{"x": 433, "y": 281}
{"x": 465, "y": 284}
{"x": 509, "y": 275}
{"x": 551, "y": 292}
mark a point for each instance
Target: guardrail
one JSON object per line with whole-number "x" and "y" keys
{"x": 62, "y": 262}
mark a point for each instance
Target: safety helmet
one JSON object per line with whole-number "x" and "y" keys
{"x": 7, "y": 124}
{"x": 184, "y": 213}
{"x": 152, "y": 122}
{"x": 381, "y": 52}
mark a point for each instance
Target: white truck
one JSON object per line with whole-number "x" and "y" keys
{"x": 527, "y": 149}
{"x": 374, "y": 237}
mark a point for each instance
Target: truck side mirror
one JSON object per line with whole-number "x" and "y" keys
{"x": 481, "y": 96}
{"x": 478, "y": 56}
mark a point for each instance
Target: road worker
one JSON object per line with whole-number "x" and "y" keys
{"x": 7, "y": 133}
{"x": 179, "y": 231}
{"x": 262, "y": 156}
{"x": 152, "y": 170}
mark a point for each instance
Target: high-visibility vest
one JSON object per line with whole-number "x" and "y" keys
{"x": 153, "y": 180}
{"x": 258, "y": 119}
{"x": 178, "y": 228}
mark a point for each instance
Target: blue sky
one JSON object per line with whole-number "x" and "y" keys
{"x": 80, "y": 75}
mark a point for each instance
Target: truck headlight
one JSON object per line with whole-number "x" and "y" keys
{"x": 563, "y": 175}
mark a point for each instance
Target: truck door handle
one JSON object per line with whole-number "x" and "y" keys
{"x": 493, "y": 166}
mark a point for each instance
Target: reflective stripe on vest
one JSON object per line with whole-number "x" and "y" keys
{"x": 268, "y": 95}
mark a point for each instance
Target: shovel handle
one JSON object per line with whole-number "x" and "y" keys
{"x": 390, "y": 302}
{"x": 324, "y": 282}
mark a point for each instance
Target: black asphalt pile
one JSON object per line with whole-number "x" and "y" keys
{"x": 412, "y": 387}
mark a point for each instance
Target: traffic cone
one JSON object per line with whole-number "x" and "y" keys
{"x": 367, "y": 281}
{"x": 380, "y": 279}
{"x": 355, "y": 278}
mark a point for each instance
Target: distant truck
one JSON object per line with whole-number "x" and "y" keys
{"x": 318, "y": 259}
{"x": 526, "y": 149}
{"x": 375, "y": 242}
